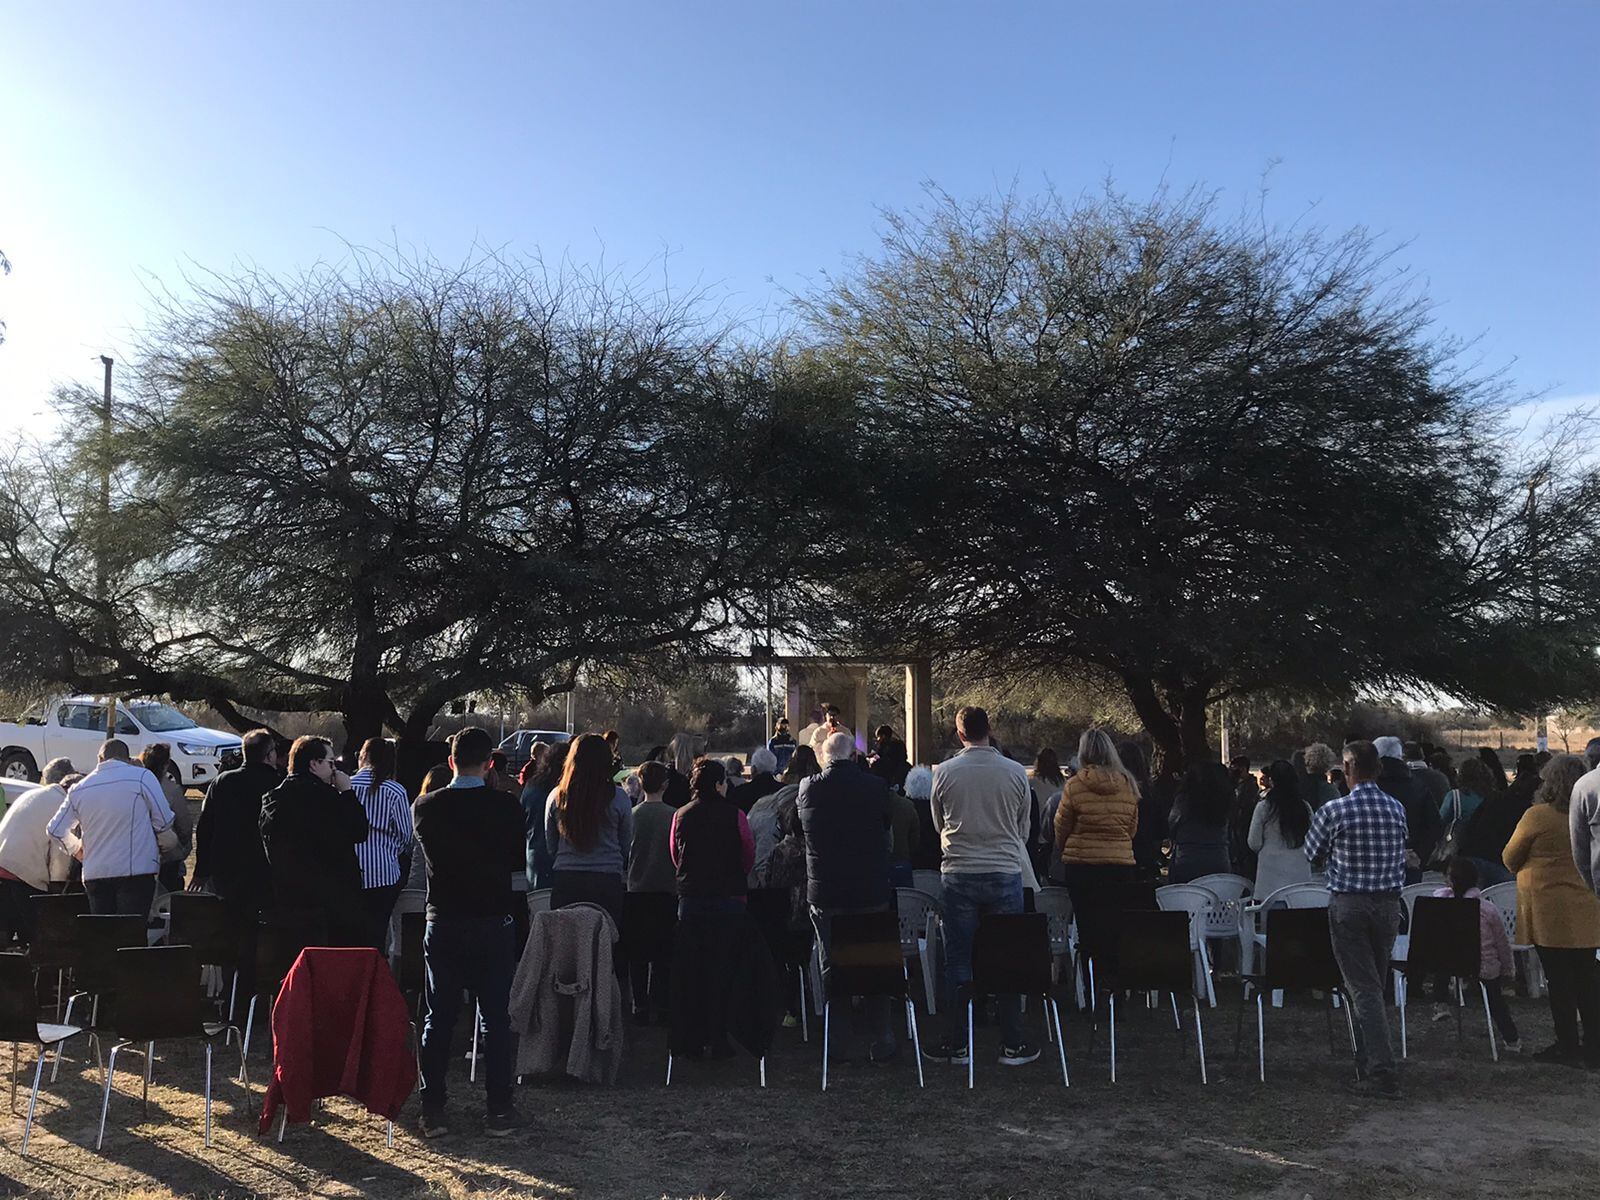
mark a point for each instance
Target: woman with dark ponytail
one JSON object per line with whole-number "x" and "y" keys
{"x": 712, "y": 848}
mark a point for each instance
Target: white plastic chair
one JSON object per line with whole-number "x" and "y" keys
{"x": 538, "y": 902}
{"x": 1504, "y": 898}
{"x": 410, "y": 900}
{"x": 1199, "y": 903}
{"x": 919, "y": 929}
{"x": 931, "y": 882}
{"x": 1226, "y": 921}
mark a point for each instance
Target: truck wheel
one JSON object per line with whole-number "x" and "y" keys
{"x": 173, "y": 774}
{"x": 19, "y": 764}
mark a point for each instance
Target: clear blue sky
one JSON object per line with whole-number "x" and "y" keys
{"x": 756, "y": 142}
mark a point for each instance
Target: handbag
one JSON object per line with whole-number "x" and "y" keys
{"x": 1448, "y": 845}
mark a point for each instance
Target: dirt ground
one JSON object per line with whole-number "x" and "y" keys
{"x": 1466, "y": 1127}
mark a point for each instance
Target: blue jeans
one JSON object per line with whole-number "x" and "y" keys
{"x": 467, "y": 954}
{"x": 966, "y": 899}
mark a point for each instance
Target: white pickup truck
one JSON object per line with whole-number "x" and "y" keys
{"x": 74, "y": 726}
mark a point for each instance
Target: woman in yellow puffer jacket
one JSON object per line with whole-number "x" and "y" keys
{"x": 1096, "y": 820}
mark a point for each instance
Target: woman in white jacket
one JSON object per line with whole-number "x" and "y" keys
{"x": 30, "y": 859}
{"x": 1278, "y": 832}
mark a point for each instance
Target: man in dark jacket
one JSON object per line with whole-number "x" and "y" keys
{"x": 229, "y": 858}
{"x": 762, "y": 782}
{"x": 844, "y": 813}
{"x": 1424, "y": 825}
{"x": 310, "y": 824}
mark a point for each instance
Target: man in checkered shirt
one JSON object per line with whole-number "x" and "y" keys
{"x": 1362, "y": 840}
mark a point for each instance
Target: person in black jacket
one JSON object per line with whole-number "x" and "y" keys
{"x": 310, "y": 824}
{"x": 1424, "y": 825}
{"x": 229, "y": 858}
{"x": 845, "y": 815}
{"x": 762, "y": 781}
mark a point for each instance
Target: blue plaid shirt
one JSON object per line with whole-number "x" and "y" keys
{"x": 1362, "y": 837}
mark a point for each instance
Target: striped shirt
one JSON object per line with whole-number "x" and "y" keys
{"x": 389, "y": 831}
{"x": 1362, "y": 838}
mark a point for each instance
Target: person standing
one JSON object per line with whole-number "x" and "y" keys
{"x": 1278, "y": 830}
{"x": 1559, "y": 915}
{"x": 651, "y": 907}
{"x": 535, "y": 796}
{"x": 119, "y": 811}
{"x": 385, "y": 856}
{"x": 981, "y": 804}
{"x": 1202, "y": 823}
{"x": 1362, "y": 840}
{"x": 310, "y": 825}
{"x": 588, "y": 828}
{"x": 30, "y": 859}
{"x": 680, "y": 763}
{"x": 157, "y": 759}
{"x": 229, "y": 857}
{"x": 845, "y": 815}
{"x": 1583, "y": 820}
{"x": 782, "y": 744}
{"x": 1423, "y": 822}
{"x": 1095, "y": 821}
{"x": 471, "y": 839}
{"x": 762, "y": 781}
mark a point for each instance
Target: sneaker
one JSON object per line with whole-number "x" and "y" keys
{"x": 1556, "y": 1055}
{"x": 433, "y": 1125}
{"x": 502, "y": 1124}
{"x": 947, "y": 1053}
{"x": 1372, "y": 1088}
{"x": 790, "y": 1021}
{"x": 1441, "y": 1012}
{"x": 1513, "y": 1047}
{"x": 1018, "y": 1056}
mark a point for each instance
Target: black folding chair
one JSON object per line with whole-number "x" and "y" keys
{"x": 208, "y": 925}
{"x": 55, "y": 937}
{"x": 158, "y": 998}
{"x": 94, "y": 979}
{"x": 1299, "y": 957}
{"x": 278, "y": 944}
{"x": 864, "y": 959}
{"x": 791, "y": 948}
{"x": 20, "y": 1024}
{"x": 1098, "y": 916}
{"x": 1011, "y": 957}
{"x": 1153, "y": 955}
{"x": 1444, "y": 940}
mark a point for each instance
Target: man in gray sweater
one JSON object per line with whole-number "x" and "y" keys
{"x": 981, "y": 802}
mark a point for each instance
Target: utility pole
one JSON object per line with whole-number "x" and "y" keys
{"x": 105, "y": 528}
{"x": 1541, "y": 732}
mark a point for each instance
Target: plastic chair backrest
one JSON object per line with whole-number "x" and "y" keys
{"x": 1231, "y": 891}
{"x": 206, "y": 924}
{"x": 1444, "y": 937}
{"x": 538, "y": 901}
{"x": 1190, "y": 898}
{"x": 913, "y": 908}
{"x": 1011, "y": 955}
{"x": 931, "y": 882}
{"x": 864, "y": 957}
{"x": 1408, "y": 898}
{"x": 1056, "y": 904}
{"x": 55, "y": 936}
{"x": 1153, "y": 953}
{"x": 1299, "y": 953}
{"x": 1299, "y": 895}
{"x": 158, "y": 994}
{"x": 19, "y": 1003}
{"x": 1504, "y": 897}
{"x": 101, "y": 939}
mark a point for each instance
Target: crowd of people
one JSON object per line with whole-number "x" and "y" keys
{"x": 682, "y": 839}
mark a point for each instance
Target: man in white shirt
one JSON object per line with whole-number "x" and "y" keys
{"x": 30, "y": 860}
{"x": 118, "y": 810}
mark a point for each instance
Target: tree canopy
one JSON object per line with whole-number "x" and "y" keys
{"x": 1199, "y": 456}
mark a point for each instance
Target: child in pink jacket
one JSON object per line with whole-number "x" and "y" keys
{"x": 1495, "y": 960}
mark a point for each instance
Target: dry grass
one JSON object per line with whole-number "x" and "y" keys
{"x": 1466, "y": 1128}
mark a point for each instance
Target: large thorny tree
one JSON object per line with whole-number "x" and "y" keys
{"x": 376, "y": 489}
{"x": 1194, "y": 457}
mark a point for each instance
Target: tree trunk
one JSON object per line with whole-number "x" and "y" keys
{"x": 1195, "y": 731}
{"x": 1160, "y": 724}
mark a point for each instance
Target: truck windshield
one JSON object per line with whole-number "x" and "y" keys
{"x": 159, "y": 718}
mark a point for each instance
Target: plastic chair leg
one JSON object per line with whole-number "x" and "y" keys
{"x": 207, "y": 1140}
{"x": 1177, "y": 1022}
{"x": 1261, "y": 1038}
{"x": 1350, "y": 1023}
{"x": 1200, "y": 1040}
{"x": 1402, "y": 989}
{"x": 477, "y": 1021}
{"x": 249, "y": 1027}
{"x": 805, "y": 1026}
{"x": 972, "y": 1051}
{"x": 916, "y": 1038}
{"x": 763, "y": 1070}
{"x": 105, "y": 1103}
{"x": 669, "y": 1070}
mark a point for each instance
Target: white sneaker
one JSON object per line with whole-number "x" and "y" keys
{"x": 1512, "y": 1047}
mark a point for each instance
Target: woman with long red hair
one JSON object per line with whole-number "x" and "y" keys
{"x": 588, "y": 827}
